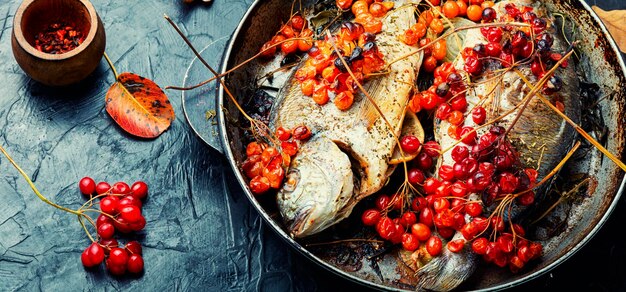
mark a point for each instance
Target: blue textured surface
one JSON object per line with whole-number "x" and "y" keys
{"x": 201, "y": 231}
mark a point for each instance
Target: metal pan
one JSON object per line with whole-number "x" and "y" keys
{"x": 578, "y": 220}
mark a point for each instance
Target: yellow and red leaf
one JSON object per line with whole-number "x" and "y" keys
{"x": 139, "y": 106}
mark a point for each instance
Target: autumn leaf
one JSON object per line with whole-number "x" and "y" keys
{"x": 615, "y": 22}
{"x": 139, "y": 106}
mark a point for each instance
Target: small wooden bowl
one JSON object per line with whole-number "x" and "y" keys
{"x": 33, "y": 16}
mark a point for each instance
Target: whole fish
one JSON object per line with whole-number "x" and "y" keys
{"x": 540, "y": 136}
{"x": 348, "y": 157}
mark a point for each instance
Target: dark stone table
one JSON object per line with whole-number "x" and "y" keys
{"x": 201, "y": 232}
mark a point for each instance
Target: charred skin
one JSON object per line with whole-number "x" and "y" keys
{"x": 359, "y": 132}
{"x": 540, "y": 136}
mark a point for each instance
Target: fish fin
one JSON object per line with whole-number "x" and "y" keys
{"x": 368, "y": 111}
{"x": 446, "y": 271}
{"x": 493, "y": 94}
{"x": 296, "y": 227}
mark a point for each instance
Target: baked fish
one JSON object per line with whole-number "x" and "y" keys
{"x": 539, "y": 135}
{"x": 348, "y": 157}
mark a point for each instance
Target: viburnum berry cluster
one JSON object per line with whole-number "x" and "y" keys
{"x": 265, "y": 165}
{"x": 120, "y": 212}
{"x": 324, "y": 76}
{"x": 506, "y": 46}
{"x": 487, "y": 165}
{"x": 294, "y": 36}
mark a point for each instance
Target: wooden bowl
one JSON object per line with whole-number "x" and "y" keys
{"x": 33, "y": 16}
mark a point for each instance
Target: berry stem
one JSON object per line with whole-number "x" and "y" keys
{"x": 103, "y": 213}
{"x": 453, "y": 31}
{"x": 346, "y": 240}
{"x": 80, "y": 219}
{"x": 561, "y": 199}
{"x": 232, "y": 69}
{"x": 34, "y": 188}
{"x": 90, "y": 201}
{"x": 260, "y": 127}
{"x": 111, "y": 65}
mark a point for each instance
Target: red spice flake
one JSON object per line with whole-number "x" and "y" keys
{"x": 58, "y": 38}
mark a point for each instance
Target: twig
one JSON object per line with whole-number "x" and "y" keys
{"x": 106, "y": 57}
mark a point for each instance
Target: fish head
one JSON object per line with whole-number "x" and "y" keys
{"x": 319, "y": 188}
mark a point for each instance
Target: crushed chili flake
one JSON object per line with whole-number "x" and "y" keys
{"x": 58, "y": 38}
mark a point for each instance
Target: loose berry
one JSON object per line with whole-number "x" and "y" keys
{"x": 118, "y": 256}
{"x": 301, "y": 132}
{"x": 135, "y": 264}
{"x": 130, "y": 213}
{"x": 259, "y": 184}
{"x": 493, "y": 49}
{"x": 459, "y": 104}
{"x": 87, "y": 185}
{"x": 385, "y": 227}
{"x": 458, "y": 189}
{"x": 443, "y": 111}
{"x": 370, "y": 217}
{"x": 410, "y": 144}
{"x": 139, "y": 190}
{"x": 494, "y": 34}
{"x": 456, "y": 245}
{"x": 431, "y": 184}
{"x": 103, "y": 219}
{"x": 134, "y": 247}
{"x": 489, "y": 14}
{"x": 121, "y": 188}
{"x": 442, "y": 89}
{"x": 468, "y": 135}
{"x": 479, "y": 115}
{"x": 117, "y": 270}
{"x": 446, "y": 172}
{"x": 92, "y": 256}
{"x": 139, "y": 225}
{"x": 459, "y": 153}
{"x": 410, "y": 242}
{"x": 474, "y": 12}
{"x": 106, "y": 230}
{"x": 109, "y": 205}
{"x": 474, "y": 209}
{"x": 432, "y": 148}
{"x": 415, "y": 176}
{"x": 423, "y": 161}
{"x": 102, "y": 187}
{"x": 473, "y": 65}
{"x": 382, "y": 202}
{"x": 129, "y": 200}
{"x": 283, "y": 134}
{"x": 434, "y": 245}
